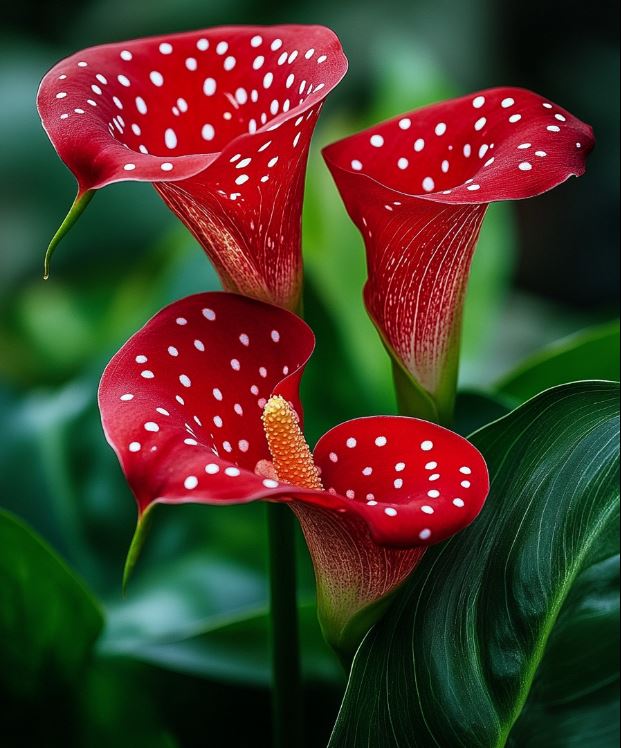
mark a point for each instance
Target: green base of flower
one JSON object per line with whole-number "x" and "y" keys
{"x": 345, "y": 636}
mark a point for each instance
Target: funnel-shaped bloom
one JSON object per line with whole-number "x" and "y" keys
{"x": 417, "y": 187}
{"x": 219, "y": 120}
{"x": 202, "y": 405}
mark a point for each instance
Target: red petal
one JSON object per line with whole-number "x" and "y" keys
{"x": 189, "y": 388}
{"x": 220, "y": 120}
{"x": 414, "y": 483}
{"x": 407, "y": 483}
{"x": 181, "y": 402}
{"x": 417, "y": 188}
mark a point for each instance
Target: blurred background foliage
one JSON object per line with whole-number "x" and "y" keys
{"x": 182, "y": 659}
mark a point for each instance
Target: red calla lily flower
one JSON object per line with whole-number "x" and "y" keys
{"x": 219, "y": 121}
{"x": 202, "y": 405}
{"x": 417, "y": 187}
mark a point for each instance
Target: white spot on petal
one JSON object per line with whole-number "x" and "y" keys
{"x": 209, "y": 86}
{"x": 170, "y": 138}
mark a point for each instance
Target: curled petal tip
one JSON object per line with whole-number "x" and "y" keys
{"x": 497, "y": 144}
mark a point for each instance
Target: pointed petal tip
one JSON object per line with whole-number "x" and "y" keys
{"x": 137, "y": 543}
{"x": 78, "y": 206}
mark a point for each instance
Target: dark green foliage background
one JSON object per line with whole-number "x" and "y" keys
{"x": 181, "y": 660}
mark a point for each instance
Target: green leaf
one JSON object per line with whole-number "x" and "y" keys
{"x": 233, "y": 648}
{"x": 48, "y": 619}
{"x": 590, "y": 354}
{"x": 506, "y": 634}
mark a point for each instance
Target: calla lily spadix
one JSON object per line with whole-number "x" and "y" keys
{"x": 219, "y": 121}
{"x": 417, "y": 187}
{"x": 202, "y": 405}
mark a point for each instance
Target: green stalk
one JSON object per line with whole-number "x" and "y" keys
{"x": 285, "y": 644}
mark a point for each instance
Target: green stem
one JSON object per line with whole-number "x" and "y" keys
{"x": 285, "y": 645}
{"x": 412, "y": 400}
{"x": 76, "y": 210}
{"x": 416, "y": 402}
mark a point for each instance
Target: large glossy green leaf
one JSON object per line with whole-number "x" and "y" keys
{"x": 48, "y": 619}
{"x": 506, "y": 634}
{"x": 590, "y": 354}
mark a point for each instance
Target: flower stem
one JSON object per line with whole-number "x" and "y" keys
{"x": 285, "y": 645}
{"x": 412, "y": 400}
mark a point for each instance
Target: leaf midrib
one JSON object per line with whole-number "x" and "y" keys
{"x": 546, "y": 632}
